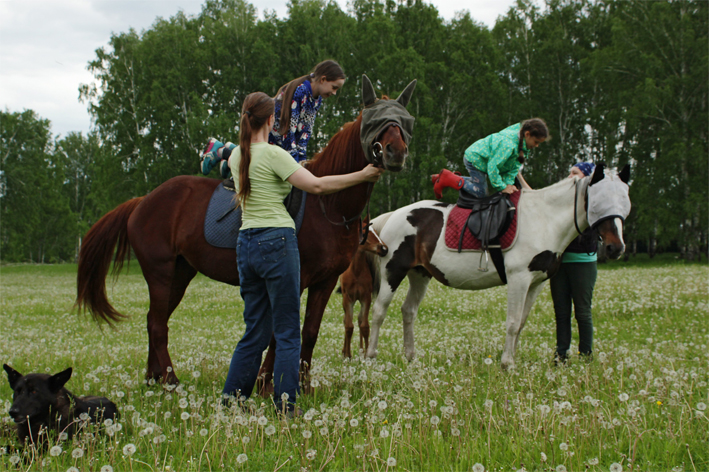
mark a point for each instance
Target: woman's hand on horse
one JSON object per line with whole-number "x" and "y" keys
{"x": 304, "y": 180}
{"x": 509, "y": 190}
{"x": 371, "y": 173}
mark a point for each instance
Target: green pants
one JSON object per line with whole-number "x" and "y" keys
{"x": 573, "y": 283}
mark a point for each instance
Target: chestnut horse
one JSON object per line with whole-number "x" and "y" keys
{"x": 165, "y": 231}
{"x": 359, "y": 282}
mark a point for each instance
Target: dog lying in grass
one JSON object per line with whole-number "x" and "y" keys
{"x": 40, "y": 401}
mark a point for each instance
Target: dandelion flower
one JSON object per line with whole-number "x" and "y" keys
{"x": 384, "y": 433}
{"x": 701, "y": 406}
{"x": 455, "y": 432}
{"x": 246, "y": 439}
{"x": 435, "y": 420}
{"x": 311, "y": 454}
{"x": 129, "y": 449}
{"x": 63, "y": 436}
{"x": 270, "y": 430}
{"x": 14, "y": 459}
{"x": 106, "y": 468}
{"x": 307, "y": 434}
{"x": 55, "y": 451}
{"x": 478, "y": 467}
{"x": 623, "y": 397}
{"x": 615, "y": 467}
{"x": 72, "y": 469}
{"x": 433, "y": 403}
{"x": 593, "y": 461}
{"x": 354, "y": 422}
{"x": 560, "y": 468}
{"x": 196, "y": 374}
{"x": 382, "y": 405}
{"x": 391, "y": 462}
{"x": 324, "y": 431}
{"x": 488, "y": 404}
{"x": 203, "y": 432}
{"x": 262, "y": 421}
{"x": 487, "y": 361}
{"x": 544, "y": 457}
{"x": 417, "y": 385}
{"x": 185, "y": 416}
{"x": 241, "y": 458}
{"x": 563, "y": 446}
{"x": 77, "y": 453}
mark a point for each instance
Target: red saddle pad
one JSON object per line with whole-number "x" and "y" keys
{"x": 459, "y": 216}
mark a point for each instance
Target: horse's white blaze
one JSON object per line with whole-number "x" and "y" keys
{"x": 619, "y": 227}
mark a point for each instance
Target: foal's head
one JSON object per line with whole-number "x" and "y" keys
{"x": 374, "y": 244}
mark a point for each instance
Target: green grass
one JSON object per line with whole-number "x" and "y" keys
{"x": 450, "y": 409}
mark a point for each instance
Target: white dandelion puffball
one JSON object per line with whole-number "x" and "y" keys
{"x": 77, "y": 453}
{"x": 623, "y": 397}
{"x": 72, "y": 469}
{"x": 384, "y": 433}
{"x": 615, "y": 467}
{"x": 129, "y": 449}
{"x": 478, "y": 467}
{"x": 487, "y": 361}
{"x": 563, "y": 446}
{"x": 593, "y": 461}
{"x": 354, "y": 422}
{"x": 701, "y": 406}
{"x": 106, "y": 468}
{"x": 382, "y": 405}
{"x": 270, "y": 430}
{"x": 435, "y": 420}
{"x": 307, "y": 434}
{"x": 55, "y": 451}
{"x": 560, "y": 468}
{"x": 544, "y": 457}
{"x": 241, "y": 458}
{"x": 203, "y": 432}
{"x": 185, "y": 416}
{"x": 262, "y": 421}
{"x": 391, "y": 462}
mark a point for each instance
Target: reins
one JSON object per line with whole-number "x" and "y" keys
{"x": 377, "y": 152}
{"x": 576, "y": 197}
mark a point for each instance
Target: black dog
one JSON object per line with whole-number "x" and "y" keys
{"x": 41, "y": 401}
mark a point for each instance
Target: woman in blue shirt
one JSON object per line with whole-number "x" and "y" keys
{"x": 294, "y": 123}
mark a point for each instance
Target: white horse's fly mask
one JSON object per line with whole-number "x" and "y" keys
{"x": 608, "y": 198}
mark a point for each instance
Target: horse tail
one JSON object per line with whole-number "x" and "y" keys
{"x": 373, "y": 265}
{"x": 109, "y": 233}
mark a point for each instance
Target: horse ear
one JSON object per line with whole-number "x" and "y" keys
{"x": 12, "y": 375}
{"x": 406, "y": 94}
{"x": 369, "y": 96}
{"x": 625, "y": 174}
{"x": 598, "y": 174}
{"x": 57, "y": 381}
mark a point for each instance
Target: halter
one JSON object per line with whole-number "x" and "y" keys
{"x": 378, "y": 154}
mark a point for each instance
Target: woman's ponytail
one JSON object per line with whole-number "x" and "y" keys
{"x": 257, "y": 108}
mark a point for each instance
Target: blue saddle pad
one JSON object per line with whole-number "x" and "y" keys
{"x": 223, "y": 219}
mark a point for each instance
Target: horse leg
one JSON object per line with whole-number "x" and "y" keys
{"x": 379, "y": 312}
{"x": 532, "y": 295}
{"x": 318, "y": 296}
{"x": 166, "y": 292}
{"x": 517, "y": 290}
{"x": 363, "y": 321}
{"x": 418, "y": 283}
{"x": 348, "y": 306}
{"x": 264, "y": 381}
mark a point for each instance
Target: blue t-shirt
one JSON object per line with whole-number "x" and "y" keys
{"x": 304, "y": 109}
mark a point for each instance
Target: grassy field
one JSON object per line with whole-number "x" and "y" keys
{"x": 639, "y": 405}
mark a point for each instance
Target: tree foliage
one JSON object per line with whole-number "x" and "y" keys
{"x": 617, "y": 81}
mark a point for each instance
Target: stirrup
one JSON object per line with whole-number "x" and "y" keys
{"x": 480, "y": 264}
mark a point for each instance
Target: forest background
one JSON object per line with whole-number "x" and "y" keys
{"x": 617, "y": 81}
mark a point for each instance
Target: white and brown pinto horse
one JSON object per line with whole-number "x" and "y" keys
{"x": 548, "y": 220}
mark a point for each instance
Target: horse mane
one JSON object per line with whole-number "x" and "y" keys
{"x": 341, "y": 152}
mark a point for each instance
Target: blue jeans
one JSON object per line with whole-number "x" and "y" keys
{"x": 573, "y": 282}
{"x": 476, "y": 184}
{"x": 269, "y": 274}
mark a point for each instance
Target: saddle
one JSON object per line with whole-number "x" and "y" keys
{"x": 489, "y": 219}
{"x": 223, "y": 219}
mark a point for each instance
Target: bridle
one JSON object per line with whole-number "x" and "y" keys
{"x": 377, "y": 153}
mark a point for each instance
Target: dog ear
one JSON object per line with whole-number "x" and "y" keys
{"x": 12, "y": 375}
{"x": 625, "y": 174}
{"x": 598, "y": 173}
{"x": 57, "y": 381}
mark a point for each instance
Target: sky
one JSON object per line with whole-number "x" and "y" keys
{"x": 46, "y": 45}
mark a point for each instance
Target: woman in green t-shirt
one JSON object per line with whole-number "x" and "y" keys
{"x": 267, "y": 251}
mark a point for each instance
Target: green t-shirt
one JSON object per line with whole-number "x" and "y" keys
{"x": 269, "y": 169}
{"x": 496, "y": 155}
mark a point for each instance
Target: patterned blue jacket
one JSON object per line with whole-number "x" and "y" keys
{"x": 304, "y": 109}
